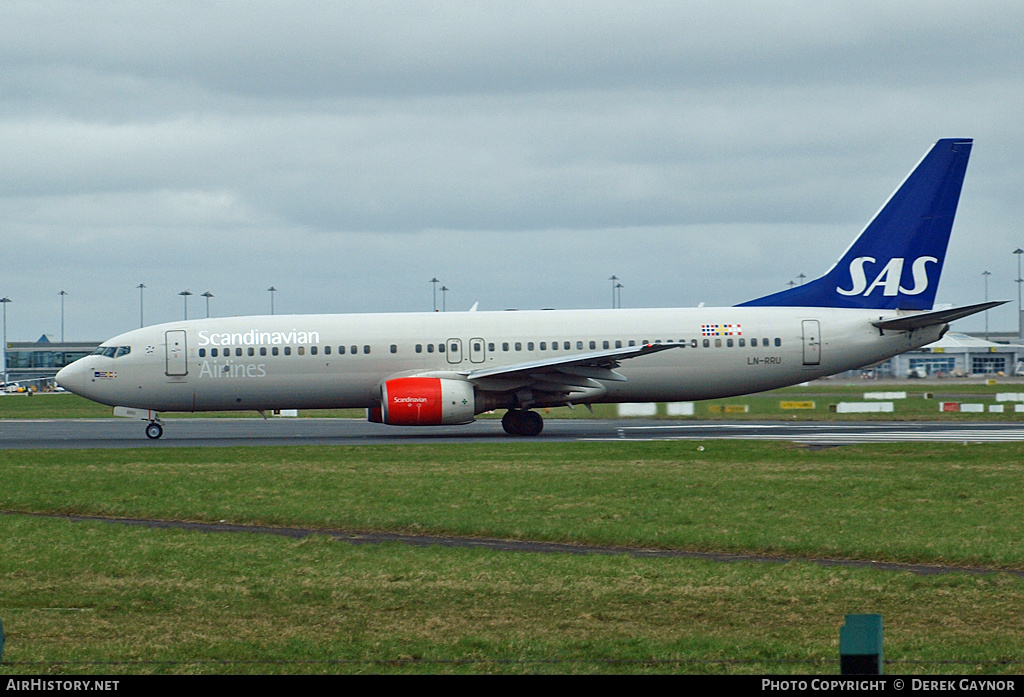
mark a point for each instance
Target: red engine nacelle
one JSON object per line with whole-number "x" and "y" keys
{"x": 426, "y": 402}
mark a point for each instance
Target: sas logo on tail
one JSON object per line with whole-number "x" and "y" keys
{"x": 888, "y": 279}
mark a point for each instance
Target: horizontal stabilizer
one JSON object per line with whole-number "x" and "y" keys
{"x": 929, "y": 319}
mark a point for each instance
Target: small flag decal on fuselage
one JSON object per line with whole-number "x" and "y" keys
{"x": 720, "y": 330}
{"x": 104, "y": 374}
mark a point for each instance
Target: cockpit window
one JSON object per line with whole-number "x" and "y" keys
{"x": 112, "y": 351}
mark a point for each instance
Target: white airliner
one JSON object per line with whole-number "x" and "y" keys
{"x": 433, "y": 369}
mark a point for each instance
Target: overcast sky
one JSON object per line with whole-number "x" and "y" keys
{"x": 522, "y": 153}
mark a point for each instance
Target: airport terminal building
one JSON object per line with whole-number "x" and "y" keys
{"x": 956, "y": 355}
{"x": 37, "y": 362}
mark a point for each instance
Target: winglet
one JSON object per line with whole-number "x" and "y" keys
{"x": 896, "y": 260}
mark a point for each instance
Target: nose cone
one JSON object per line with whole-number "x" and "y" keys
{"x": 72, "y": 377}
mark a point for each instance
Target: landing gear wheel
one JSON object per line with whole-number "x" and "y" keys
{"x": 508, "y": 422}
{"x": 154, "y": 431}
{"x": 522, "y": 423}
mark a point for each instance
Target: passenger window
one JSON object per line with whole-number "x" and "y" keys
{"x": 251, "y": 351}
{"x": 618, "y": 344}
{"x": 302, "y": 350}
{"x": 353, "y": 349}
{"x": 287, "y": 350}
{"x": 529, "y": 345}
{"x": 519, "y": 346}
{"x": 394, "y": 348}
{"x": 605, "y": 344}
{"x": 430, "y": 348}
{"x": 419, "y": 348}
{"x": 238, "y": 351}
{"x": 579, "y": 345}
{"x": 312, "y": 350}
{"x": 263, "y": 350}
{"x": 490, "y": 347}
{"x": 341, "y": 350}
{"x": 543, "y": 346}
{"x": 504, "y": 346}
{"x": 718, "y": 343}
{"x": 753, "y": 343}
{"x": 440, "y": 348}
{"x": 778, "y": 341}
{"x": 743, "y": 342}
{"x": 693, "y": 343}
{"x": 593, "y": 345}
{"x": 728, "y": 342}
{"x": 202, "y": 353}
{"x": 707, "y": 343}
{"x": 366, "y": 349}
{"x": 214, "y": 352}
{"x": 275, "y": 351}
{"x": 632, "y": 342}
{"x": 327, "y": 350}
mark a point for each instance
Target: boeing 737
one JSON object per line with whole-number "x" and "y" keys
{"x": 430, "y": 369}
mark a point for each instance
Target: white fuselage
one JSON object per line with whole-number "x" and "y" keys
{"x": 337, "y": 361}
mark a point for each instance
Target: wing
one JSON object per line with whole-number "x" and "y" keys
{"x": 561, "y": 380}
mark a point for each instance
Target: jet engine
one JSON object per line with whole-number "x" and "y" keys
{"x": 416, "y": 401}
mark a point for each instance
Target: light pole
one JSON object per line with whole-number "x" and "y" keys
{"x": 141, "y": 287}
{"x": 613, "y": 279}
{"x": 802, "y": 277}
{"x": 5, "y": 300}
{"x": 444, "y": 298}
{"x": 272, "y": 290}
{"x": 184, "y": 294}
{"x": 435, "y": 282}
{"x": 1020, "y": 318}
{"x": 62, "y": 294}
{"x": 207, "y": 295}
{"x": 986, "y": 274}
{"x": 619, "y": 287}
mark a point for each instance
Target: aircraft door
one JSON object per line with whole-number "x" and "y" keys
{"x": 454, "y": 351}
{"x": 812, "y": 342}
{"x": 177, "y": 353}
{"x": 477, "y": 350}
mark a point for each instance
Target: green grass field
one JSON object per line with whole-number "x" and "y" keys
{"x": 93, "y": 597}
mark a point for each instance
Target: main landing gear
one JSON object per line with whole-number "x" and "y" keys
{"x": 518, "y": 422}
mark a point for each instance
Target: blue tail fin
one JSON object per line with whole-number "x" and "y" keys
{"x": 896, "y": 261}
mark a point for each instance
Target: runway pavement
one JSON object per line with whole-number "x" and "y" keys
{"x": 221, "y": 432}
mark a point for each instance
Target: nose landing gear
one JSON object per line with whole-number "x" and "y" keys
{"x": 154, "y": 429}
